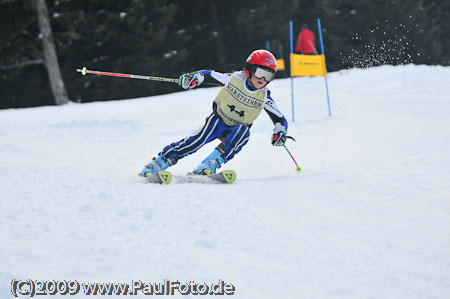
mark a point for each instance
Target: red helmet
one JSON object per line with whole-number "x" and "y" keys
{"x": 261, "y": 58}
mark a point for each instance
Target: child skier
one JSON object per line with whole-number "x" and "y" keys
{"x": 235, "y": 108}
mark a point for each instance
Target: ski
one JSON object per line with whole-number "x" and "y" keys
{"x": 165, "y": 177}
{"x": 223, "y": 177}
{"x": 161, "y": 177}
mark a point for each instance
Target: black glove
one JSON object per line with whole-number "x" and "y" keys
{"x": 279, "y": 135}
{"x": 191, "y": 80}
{"x": 279, "y": 139}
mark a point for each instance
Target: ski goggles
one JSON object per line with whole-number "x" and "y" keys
{"x": 260, "y": 73}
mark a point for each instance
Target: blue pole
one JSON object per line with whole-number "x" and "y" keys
{"x": 280, "y": 48}
{"x": 323, "y": 52}
{"x": 292, "y": 79}
{"x": 320, "y": 36}
{"x": 267, "y": 45}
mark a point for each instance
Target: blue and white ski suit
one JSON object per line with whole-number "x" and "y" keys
{"x": 234, "y": 110}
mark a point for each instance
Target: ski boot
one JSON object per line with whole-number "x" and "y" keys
{"x": 210, "y": 164}
{"x": 156, "y": 164}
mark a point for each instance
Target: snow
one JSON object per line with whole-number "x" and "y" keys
{"x": 367, "y": 218}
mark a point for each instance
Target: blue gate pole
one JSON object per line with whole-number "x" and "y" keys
{"x": 280, "y": 48}
{"x": 292, "y": 79}
{"x": 267, "y": 45}
{"x": 323, "y": 52}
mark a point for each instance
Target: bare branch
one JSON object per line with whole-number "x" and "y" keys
{"x": 21, "y": 64}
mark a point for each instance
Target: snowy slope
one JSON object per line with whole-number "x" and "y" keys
{"x": 367, "y": 218}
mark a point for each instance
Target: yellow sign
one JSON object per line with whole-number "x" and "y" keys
{"x": 308, "y": 65}
{"x": 280, "y": 64}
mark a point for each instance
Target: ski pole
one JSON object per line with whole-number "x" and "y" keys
{"x": 85, "y": 71}
{"x": 298, "y": 169}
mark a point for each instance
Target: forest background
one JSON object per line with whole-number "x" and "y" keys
{"x": 167, "y": 38}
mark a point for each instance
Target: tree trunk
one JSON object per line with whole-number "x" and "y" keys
{"x": 51, "y": 60}
{"x": 218, "y": 38}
